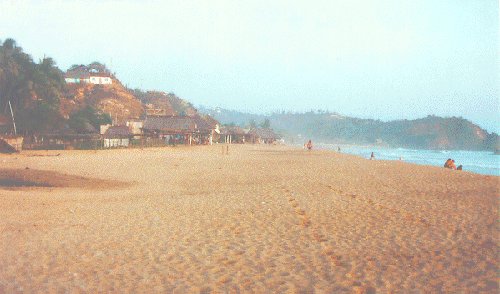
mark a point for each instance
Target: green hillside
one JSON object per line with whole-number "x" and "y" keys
{"x": 431, "y": 132}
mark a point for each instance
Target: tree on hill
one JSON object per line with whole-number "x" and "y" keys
{"x": 75, "y": 66}
{"x": 266, "y": 124}
{"x": 33, "y": 89}
{"x": 98, "y": 67}
{"x": 88, "y": 116}
{"x": 431, "y": 132}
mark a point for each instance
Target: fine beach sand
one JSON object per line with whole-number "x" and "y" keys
{"x": 261, "y": 219}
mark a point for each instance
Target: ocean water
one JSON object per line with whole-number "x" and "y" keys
{"x": 481, "y": 162}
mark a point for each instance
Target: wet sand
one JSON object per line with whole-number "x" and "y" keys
{"x": 262, "y": 219}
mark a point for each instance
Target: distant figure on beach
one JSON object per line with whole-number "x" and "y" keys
{"x": 372, "y": 156}
{"x": 450, "y": 163}
{"x": 309, "y": 145}
{"x": 447, "y": 163}
{"x": 338, "y": 149}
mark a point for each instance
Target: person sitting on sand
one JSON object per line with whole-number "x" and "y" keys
{"x": 450, "y": 163}
{"x": 309, "y": 145}
{"x": 447, "y": 163}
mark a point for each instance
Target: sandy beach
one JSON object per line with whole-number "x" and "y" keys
{"x": 261, "y": 219}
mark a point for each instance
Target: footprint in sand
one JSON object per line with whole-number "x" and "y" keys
{"x": 306, "y": 222}
{"x": 316, "y": 235}
{"x": 319, "y": 237}
{"x": 300, "y": 211}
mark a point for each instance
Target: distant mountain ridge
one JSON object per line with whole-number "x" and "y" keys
{"x": 431, "y": 132}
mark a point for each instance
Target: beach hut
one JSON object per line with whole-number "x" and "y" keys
{"x": 262, "y": 136}
{"x": 232, "y": 135}
{"x": 208, "y": 127}
{"x": 178, "y": 129}
{"x": 63, "y": 139}
{"x": 135, "y": 127}
{"x": 212, "y": 125}
{"x": 117, "y": 136}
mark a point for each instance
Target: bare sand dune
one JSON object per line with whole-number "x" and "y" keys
{"x": 259, "y": 220}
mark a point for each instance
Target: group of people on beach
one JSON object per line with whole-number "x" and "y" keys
{"x": 450, "y": 163}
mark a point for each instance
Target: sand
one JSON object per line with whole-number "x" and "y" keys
{"x": 262, "y": 219}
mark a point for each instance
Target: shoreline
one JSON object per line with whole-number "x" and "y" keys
{"x": 431, "y": 160}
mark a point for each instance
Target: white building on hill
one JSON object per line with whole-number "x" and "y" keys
{"x": 82, "y": 74}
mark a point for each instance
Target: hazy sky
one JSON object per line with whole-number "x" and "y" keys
{"x": 373, "y": 59}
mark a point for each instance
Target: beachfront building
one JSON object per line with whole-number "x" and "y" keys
{"x": 179, "y": 130}
{"x": 262, "y": 136}
{"x": 64, "y": 139}
{"x": 213, "y": 125}
{"x": 117, "y": 136}
{"x": 135, "y": 127}
{"x": 232, "y": 135}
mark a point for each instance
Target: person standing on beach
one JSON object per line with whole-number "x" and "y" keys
{"x": 372, "y": 156}
{"x": 309, "y": 145}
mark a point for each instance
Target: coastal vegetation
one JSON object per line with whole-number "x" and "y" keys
{"x": 33, "y": 89}
{"x": 431, "y": 132}
{"x": 43, "y": 102}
